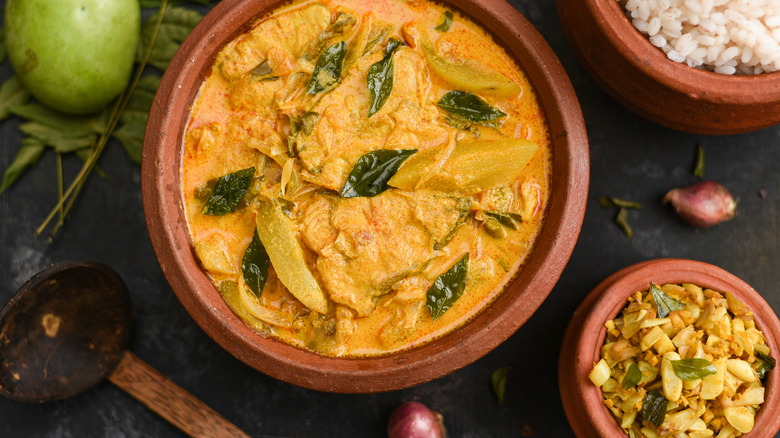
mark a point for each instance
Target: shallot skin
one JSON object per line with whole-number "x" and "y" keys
{"x": 415, "y": 420}
{"x": 703, "y": 204}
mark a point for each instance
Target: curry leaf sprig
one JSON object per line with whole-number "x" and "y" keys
{"x": 447, "y": 288}
{"x": 380, "y": 77}
{"x": 664, "y": 303}
{"x": 87, "y": 136}
{"x": 372, "y": 171}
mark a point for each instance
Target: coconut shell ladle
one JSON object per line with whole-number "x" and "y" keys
{"x": 66, "y": 330}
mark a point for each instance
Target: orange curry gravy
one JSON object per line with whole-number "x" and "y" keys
{"x": 371, "y": 260}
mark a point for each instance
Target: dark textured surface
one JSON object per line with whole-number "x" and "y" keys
{"x": 630, "y": 158}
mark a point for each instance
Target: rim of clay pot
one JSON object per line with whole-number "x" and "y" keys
{"x": 697, "y": 83}
{"x": 170, "y": 237}
{"x": 583, "y": 401}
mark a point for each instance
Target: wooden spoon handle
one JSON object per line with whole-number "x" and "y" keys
{"x": 170, "y": 401}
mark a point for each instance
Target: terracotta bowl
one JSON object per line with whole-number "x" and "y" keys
{"x": 581, "y": 348}
{"x": 640, "y": 76}
{"x": 170, "y": 238}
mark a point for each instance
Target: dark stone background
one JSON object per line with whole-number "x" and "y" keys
{"x": 630, "y": 158}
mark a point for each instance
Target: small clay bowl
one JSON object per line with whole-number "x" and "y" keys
{"x": 584, "y": 337}
{"x": 640, "y": 76}
{"x": 170, "y": 237}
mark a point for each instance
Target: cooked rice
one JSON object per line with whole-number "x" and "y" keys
{"x": 724, "y": 36}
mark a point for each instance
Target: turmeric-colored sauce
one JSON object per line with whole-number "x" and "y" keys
{"x": 358, "y": 161}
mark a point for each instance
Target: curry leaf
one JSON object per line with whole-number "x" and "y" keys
{"x": 372, "y": 171}
{"x": 380, "y": 77}
{"x": 633, "y": 376}
{"x": 698, "y": 169}
{"x": 448, "y": 288}
{"x": 764, "y": 363}
{"x": 28, "y": 155}
{"x": 308, "y": 120}
{"x": 376, "y": 36}
{"x": 663, "y": 302}
{"x": 12, "y": 93}
{"x": 255, "y": 265}
{"x": 176, "y": 24}
{"x": 228, "y": 192}
{"x": 654, "y": 407}
{"x": 263, "y": 72}
{"x": 445, "y": 25}
{"x": 622, "y": 221}
{"x": 327, "y": 70}
{"x": 509, "y": 220}
{"x": 693, "y": 369}
{"x": 470, "y": 107}
{"x": 340, "y": 25}
{"x": 135, "y": 116}
{"x": 62, "y": 142}
{"x": 613, "y": 202}
{"x": 498, "y": 381}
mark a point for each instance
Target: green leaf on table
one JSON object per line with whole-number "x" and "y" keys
{"x": 28, "y": 155}
{"x": 622, "y": 217}
{"x": 698, "y": 168}
{"x": 176, "y": 24}
{"x": 693, "y": 369}
{"x": 613, "y": 202}
{"x": 380, "y": 77}
{"x": 327, "y": 70}
{"x": 622, "y": 221}
{"x": 448, "y": 288}
{"x": 12, "y": 93}
{"x": 654, "y": 407}
{"x": 135, "y": 116}
{"x": 70, "y": 126}
{"x": 498, "y": 381}
{"x": 372, "y": 171}
{"x": 62, "y": 141}
{"x": 254, "y": 265}
{"x": 664, "y": 303}
{"x": 633, "y": 376}
{"x": 228, "y": 192}
{"x": 469, "y": 107}
{"x": 446, "y": 23}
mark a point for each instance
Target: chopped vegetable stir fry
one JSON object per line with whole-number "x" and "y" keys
{"x": 683, "y": 361}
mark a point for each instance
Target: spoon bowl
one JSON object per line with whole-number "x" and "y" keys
{"x": 66, "y": 330}
{"x": 63, "y": 332}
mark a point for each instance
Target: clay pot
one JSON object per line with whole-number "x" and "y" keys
{"x": 640, "y": 76}
{"x": 170, "y": 238}
{"x": 581, "y": 348}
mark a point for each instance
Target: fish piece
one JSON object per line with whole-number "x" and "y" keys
{"x": 369, "y": 244}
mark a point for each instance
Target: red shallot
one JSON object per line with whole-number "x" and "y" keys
{"x": 703, "y": 204}
{"x": 415, "y": 420}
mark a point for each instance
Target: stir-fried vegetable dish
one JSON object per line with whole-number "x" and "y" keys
{"x": 363, "y": 177}
{"x": 683, "y": 361}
